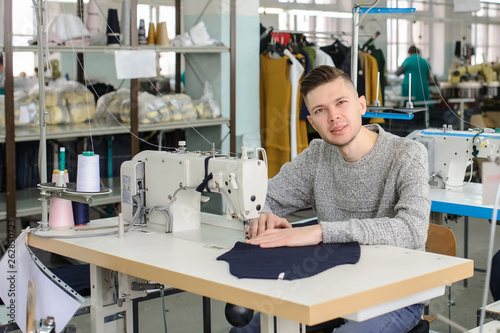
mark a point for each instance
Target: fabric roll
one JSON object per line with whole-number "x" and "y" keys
{"x": 113, "y": 27}
{"x": 142, "y": 32}
{"x": 162, "y": 34}
{"x": 92, "y": 23}
{"x": 152, "y": 34}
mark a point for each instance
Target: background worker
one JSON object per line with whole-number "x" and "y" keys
{"x": 420, "y": 72}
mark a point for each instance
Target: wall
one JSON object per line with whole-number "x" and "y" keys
{"x": 216, "y": 68}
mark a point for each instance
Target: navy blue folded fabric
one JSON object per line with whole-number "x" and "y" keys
{"x": 251, "y": 261}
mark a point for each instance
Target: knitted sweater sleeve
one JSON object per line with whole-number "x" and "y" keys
{"x": 292, "y": 188}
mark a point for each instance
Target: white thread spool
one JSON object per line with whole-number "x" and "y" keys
{"x": 87, "y": 176}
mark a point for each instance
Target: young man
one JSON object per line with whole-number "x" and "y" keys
{"x": 363, "y": 183}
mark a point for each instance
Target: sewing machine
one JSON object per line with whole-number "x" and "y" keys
{"x": 451, "y": 152}
{"x": 485, "y": 68}
{"x": 164, "y": 189}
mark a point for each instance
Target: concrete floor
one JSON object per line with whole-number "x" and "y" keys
{"x": 184, "y": 310}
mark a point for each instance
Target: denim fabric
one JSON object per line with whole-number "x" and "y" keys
{"x": 399, "y": 321}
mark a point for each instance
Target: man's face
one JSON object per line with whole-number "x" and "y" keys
{"x": 336, "y": 112}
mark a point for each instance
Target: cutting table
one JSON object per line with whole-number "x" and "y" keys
{"x": 385, "y": 278}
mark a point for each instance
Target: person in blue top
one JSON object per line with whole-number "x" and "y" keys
{"x": 420, "y": 75}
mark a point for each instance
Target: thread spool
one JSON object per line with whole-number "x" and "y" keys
{"x": 62, "y": 175}
{"x": 81, "y": 213}
{"x": 151, "y": 34}
{"x": 125, "y": 22}
{"x": 61, "y": 210}
{"x": 92, "y": 23}
{"x": 87, "y": 175}
{"x": 142, "y": 32}
{"x": 113, "y": 27}
{"x": 162, "y": 34}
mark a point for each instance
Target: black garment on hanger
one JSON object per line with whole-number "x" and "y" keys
{"x": 341, "y": 56}
{"x": 264, "y": 40}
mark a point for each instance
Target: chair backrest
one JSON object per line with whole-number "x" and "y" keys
{"x": 441, "y": 240}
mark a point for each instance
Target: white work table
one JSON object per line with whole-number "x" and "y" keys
{"x": 187, "y": 261}
{"x": 467, "y": 202}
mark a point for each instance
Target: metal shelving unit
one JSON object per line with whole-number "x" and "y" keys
{"x": 10, "y": 200}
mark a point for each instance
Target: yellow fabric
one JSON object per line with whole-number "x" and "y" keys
{"x": 371, "y": 84}
{"x": 302, "y": 139}
{"x": 275, "y": 103}
{"x": 363, "y": 67}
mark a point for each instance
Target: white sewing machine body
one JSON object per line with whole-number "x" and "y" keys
{"x": 165, "y": 183}
{"x": 451, "y": 152}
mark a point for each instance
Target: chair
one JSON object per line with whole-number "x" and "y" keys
{"x": 440, "y": 240}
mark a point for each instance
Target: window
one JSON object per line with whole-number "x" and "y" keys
{"x": 24, "y": 29}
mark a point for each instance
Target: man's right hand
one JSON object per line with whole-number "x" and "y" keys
{"x": 268, "y": 221}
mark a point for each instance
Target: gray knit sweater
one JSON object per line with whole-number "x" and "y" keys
{"x": 383, "y": 198}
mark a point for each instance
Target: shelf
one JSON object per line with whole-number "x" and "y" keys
{"x": 28, "y": 203}
{"x": 112, "y": 49}
{"x": 82, "y": 130}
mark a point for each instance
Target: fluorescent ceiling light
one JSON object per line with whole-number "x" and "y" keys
{"x": 346, "y": 15}
{"x": 270, "y": 10}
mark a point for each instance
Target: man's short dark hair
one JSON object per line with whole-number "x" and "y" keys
{"x": 321, "y": 75}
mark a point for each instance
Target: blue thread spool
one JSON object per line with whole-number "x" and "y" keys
{"x": 81, "y": 213}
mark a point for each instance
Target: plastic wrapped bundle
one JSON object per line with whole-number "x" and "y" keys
{"x": 152, "y": 109}
{"x": 55, "y": 105}
{"x": 181, "y": 107}
{"x": 207, "y": 107}
{"x": 25, "y": 109}
{"x": 110, "y": 106}
{"x": 79, "y": 101}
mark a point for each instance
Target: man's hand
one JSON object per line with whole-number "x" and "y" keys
{"x": 268, "y": 221}
{"x": 303, "y": 236}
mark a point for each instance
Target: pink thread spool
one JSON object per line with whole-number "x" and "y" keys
{"x": 61, "y": 210}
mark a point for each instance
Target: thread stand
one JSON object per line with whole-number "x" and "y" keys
{"x": 51, "y": 190}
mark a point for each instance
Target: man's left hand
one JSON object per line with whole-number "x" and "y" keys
{"x": 303, "y": 236}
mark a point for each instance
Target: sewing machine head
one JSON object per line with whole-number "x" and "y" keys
{"x": 451, "y": 152}
{"x": 164, "y": 189}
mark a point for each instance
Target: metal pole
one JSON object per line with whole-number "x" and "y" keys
{"x": 10, "y": 132}
{"x": 43, "y": 127}
{"x": 354, "y": 46}
{"x": 232, "y": 79}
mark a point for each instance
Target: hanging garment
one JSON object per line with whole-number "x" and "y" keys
{"x": 296, "y": 72}
{"x": 281, "y": 37}
{"x": 371, "y": 74}
{"x": 378, "y": 54}
{"x": 275, "y": 104}
{"x": 322, "y": 58}
{"x": 311, "y": 53}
